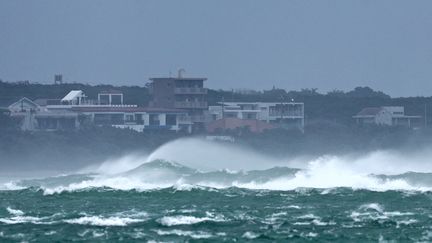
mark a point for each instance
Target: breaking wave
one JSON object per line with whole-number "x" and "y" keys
{"x": 191, "y": 163}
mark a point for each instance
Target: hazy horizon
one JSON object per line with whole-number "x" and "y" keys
{"x": 243, "y": 44}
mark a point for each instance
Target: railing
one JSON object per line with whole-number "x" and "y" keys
{"x": 190, "y": 90}
{"x": 285, "y": 114}
{"x": 191, "y": 104}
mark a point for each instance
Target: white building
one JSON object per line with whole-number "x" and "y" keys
{"x": 289, "y": 114}
{"x": 386, "y": 115}
{"x": 75, "y": 110}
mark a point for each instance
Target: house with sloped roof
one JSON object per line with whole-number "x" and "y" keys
{"x": 387, "y": 116}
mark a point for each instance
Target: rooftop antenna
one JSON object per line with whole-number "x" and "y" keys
{"x": 180, "y": 73}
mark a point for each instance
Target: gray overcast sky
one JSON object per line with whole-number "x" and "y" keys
{"x": 236, "y": 44}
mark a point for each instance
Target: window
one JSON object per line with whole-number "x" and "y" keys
{"x": 154, "y": 120}
{"x": 129, "y": 118}
{"x": 171, "y": 120}
{"x": 116, "y": 99}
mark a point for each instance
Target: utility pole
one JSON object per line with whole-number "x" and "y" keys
{"x": 425, "y": 115}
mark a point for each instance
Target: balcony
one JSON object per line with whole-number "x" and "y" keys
{"x": 286, "y": 114}
{"x": 190, "y": 91}
{"x": 191, "y": 105}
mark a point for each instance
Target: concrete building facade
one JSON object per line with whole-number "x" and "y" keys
{"x": 289, "y": 115}
{"x": 188, "y": 94}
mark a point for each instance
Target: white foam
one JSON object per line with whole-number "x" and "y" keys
{"x": 250, "y": 235}
{"x": 406, "y": 222}
{"x": 192, "y": 234}
{"x": 331, "y": 172}
{"x": 307, "y": 216}
{"x": 103, "y": 221}
{"x": 23, "y": 220}
{"x": 294, "y": 206}
{"x": 15, "y": 211}
{"x": 375, "y": 206}
{"x": 119, "y": 183}
{"x": 311, "y": 234}
{"x": 10, "y": 186}
{"x": 326, "y": 172}
{"x": 186, "y": 220}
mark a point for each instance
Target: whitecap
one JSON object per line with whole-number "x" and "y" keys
{"x": 185, "y": 220}
{"x": 15, "y": 211}
{"x": 23, "y": 220}
{"x": 192, "y": 234}
{"x": 11, "y": 186}
{"x": 374, "y": 206}
{"x": 103, "y": 221}
{"x": 307, "y": 216}
{"x": 250, "y": 235}
{"x": 405, "y": 222}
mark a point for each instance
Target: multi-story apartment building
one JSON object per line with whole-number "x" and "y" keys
{"x": 181, "y": 93}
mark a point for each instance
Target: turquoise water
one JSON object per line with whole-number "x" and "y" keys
{"x": 165, "y": 202}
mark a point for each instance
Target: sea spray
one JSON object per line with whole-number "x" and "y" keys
{"x": 364, "y": 198}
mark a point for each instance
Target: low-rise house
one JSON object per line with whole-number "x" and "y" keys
{"x": 288, "y": 115}
{"x": 386, "y": 115}
{"x": 23, "y": 111}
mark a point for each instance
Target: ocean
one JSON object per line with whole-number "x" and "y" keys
{"x": 378, "y": 197}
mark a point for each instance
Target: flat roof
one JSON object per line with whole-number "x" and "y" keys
{"x": 173, "y": 78}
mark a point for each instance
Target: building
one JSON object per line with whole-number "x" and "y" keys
{"x": 23, "y": 111}
{"x": 188, "y": 94}
{"x": 386, "y": 115}
{"x": 287, "y": 115}
{"x": 75, "y": 110}
{"x": 231, "y": 124}
{"x": 111, "y": 97}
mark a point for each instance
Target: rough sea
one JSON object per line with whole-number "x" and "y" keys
{"x": 329, "y": 199}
